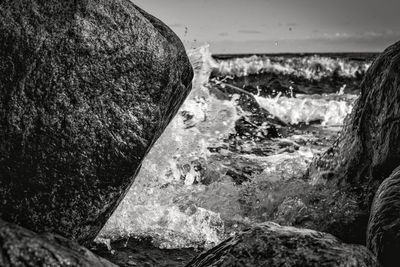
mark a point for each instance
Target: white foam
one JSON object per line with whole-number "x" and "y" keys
{"x": 310, "y": 67}
{"x": 308, "y": 108}
{"x": 149, "y": 209}
{"x": 167, "y": 225}
{"x": 165, "y": 202}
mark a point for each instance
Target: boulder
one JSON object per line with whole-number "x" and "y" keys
{"x": 383, "y": 235}
{"x": 368, "y": 148}
{"x": 21, "y": 247}
{"x": 270, "y": 244}
{"x": 86, "y": 88}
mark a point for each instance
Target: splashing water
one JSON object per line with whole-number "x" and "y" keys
{"x": 173, "y": 163}
{"x": 306, "y": 108}
{"x": 187, "y": 195}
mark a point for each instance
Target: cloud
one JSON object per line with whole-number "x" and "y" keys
{"x": 223, "y": 34}
{"x": 249, "y": 31}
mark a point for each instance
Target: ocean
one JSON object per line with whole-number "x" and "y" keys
{"x": 250, "y": 123}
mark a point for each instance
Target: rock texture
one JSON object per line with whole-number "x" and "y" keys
{"x": 384, "y": 226}
{"x": 86, "y": 87}
{"x": 21, "y": 247}
{"x": 368, "y": 149}
{"x": 272, "y": 245}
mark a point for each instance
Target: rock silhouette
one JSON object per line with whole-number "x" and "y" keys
{"x": 86, "y": 87}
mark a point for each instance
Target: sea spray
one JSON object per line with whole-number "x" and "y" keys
{"x": 172, "y": 167}
{"x": 308, "y": 108}
{"x": 189, "y": 195}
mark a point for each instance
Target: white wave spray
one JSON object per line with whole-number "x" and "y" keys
{"x": 167, "y": 201}
{"x": 310, "y": 67}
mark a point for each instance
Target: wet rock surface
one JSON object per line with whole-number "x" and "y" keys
{"x": 21, "y": 247}
{"x": 86, "y": 88}
{"x": 322, "y": 208}
{"x": 367, "y": 150}
{"x": 384, "y": 227}
{"x": 269, "y": 244}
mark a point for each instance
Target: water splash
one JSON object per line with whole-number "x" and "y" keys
{"x": 172, "y": 168}
{"x": 170, "y": 226}
{"x": 182, "y": 196}
{"x": 328, "y": 110}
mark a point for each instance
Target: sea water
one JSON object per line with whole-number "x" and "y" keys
{"x": 249, "y": 122}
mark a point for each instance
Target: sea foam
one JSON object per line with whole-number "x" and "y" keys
{"x": 308, "y": 108}
{"x": 169, "y": 203}
{"x": 310, "y": 67}
{"x": 152, "y": 206}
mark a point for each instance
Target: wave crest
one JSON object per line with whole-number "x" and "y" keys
{"x": 310, "y": 67}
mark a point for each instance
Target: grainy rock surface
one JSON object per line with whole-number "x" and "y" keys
{"x": 368, "y": 148}
{"x": 86, "y": 87}
{"x": 384, "y": 225}
{"x": 21, "y": 247}
{"x": 269, "y": 244}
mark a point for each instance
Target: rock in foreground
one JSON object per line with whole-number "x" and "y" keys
{"x": 384, "y": 226}
{"x": 21, "y": 247}
{"x": 368, "y": 149}
{"x": 86, "y": 87}
{"x": 269, "y": 244}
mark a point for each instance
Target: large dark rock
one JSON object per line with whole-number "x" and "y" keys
{"x": 383, "y": 235}
{"x": 21, "y": 247}
{"x": 272, "y": 245}
{"x": 368, "y": 148}
{"x": 86, "y": 87}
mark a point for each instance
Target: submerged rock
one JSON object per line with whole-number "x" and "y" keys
{"x": 368, "y": 148}
{"x": 143, "y": 253}
{"x": 269, "y": 244}
{"x": 86, "y": 87}
{"x": 322, "y": 208}
{"x": 21, "y": 247}
{"x": 384, "y": 226}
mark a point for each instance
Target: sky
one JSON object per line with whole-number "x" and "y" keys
{"x": 280, "y": 26}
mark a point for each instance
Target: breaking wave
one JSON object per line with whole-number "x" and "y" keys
{"x": 310, "y": 67}
{"x": 182, "y": 196}
{"x": 328, "y": 110}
